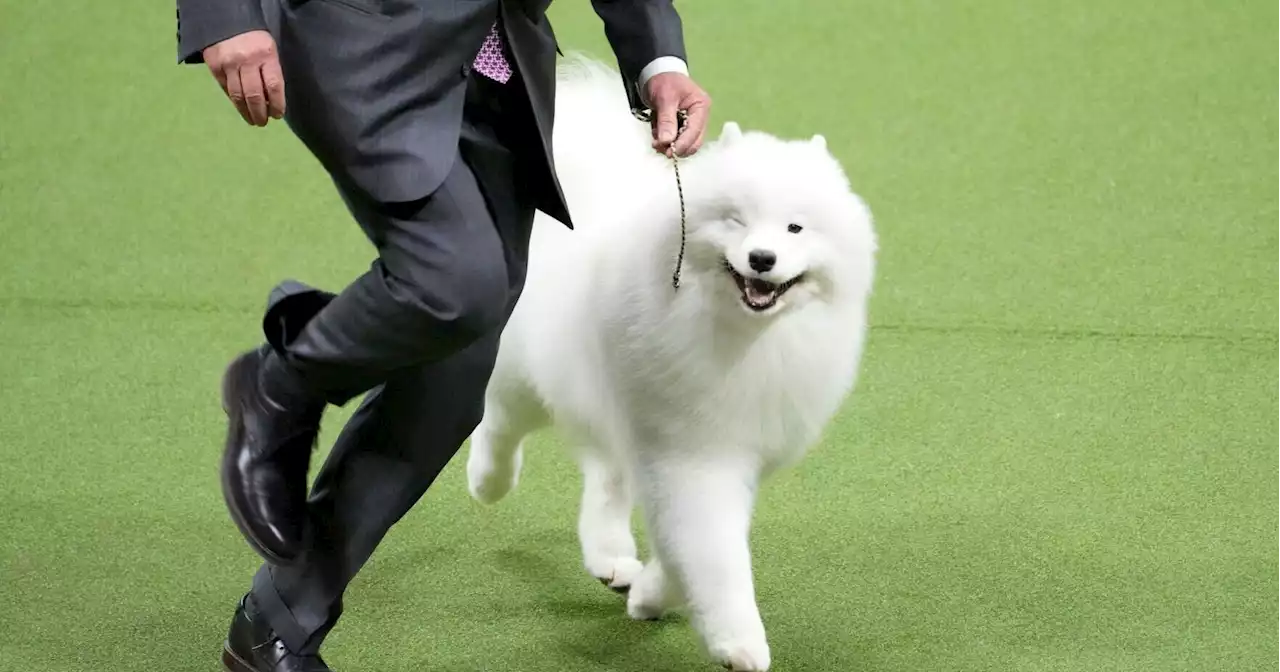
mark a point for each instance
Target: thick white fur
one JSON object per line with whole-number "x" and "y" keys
{"x": 681, "y": 399}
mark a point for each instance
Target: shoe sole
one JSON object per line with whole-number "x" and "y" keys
{"x": 237, "y": 517}
{"x": 233, "y": 663}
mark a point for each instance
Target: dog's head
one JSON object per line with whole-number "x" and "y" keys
{"x": 774, "y": 225}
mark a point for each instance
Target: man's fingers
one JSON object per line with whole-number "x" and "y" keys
{"x": 693, "y": 145}
{"x": 273, "y": 83}
{"x": 255, "y": 97}
{"x": 219, "y": 75}
{"x": 248, "y": 70}
{"x": 235, "y": 92}
{"x": 694, "y": 127}
{"x": 688, "y": 143}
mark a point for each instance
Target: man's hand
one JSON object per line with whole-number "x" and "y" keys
{"x": 669, "y": 93}
{"x": 248, "y": 69}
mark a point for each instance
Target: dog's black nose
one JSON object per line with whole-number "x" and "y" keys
{"x": 761, "y": 260}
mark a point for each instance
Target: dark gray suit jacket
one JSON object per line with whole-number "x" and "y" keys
{"x": 375, "y": 88}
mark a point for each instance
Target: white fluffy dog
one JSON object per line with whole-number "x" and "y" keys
{"x": 681, "y": 398}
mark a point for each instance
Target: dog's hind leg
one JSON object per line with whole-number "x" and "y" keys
{"x": 699, "y": 509}
{"x": 604, "y": 521}
{"x": 511, "y": 412}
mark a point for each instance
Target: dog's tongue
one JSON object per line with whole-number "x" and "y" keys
{"x": 760, "y": 292}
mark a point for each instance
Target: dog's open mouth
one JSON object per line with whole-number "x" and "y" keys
{"x": 757, "y": 294}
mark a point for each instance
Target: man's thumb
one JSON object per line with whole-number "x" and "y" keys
{"x": 666, "y": 124}
{"x": 665, "y": 116}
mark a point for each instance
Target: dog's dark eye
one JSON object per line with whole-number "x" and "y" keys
{"x": 794, "y": 228}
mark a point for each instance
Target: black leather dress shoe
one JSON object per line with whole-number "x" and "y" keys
{"x": 251, "y": 646}
{"x": 268, "y": 451}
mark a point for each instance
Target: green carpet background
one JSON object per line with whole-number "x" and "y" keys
{"x": 1059, "y": 457}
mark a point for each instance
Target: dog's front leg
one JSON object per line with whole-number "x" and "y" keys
{"x": 604, "y": 521}
{"x": 698, "y": 509}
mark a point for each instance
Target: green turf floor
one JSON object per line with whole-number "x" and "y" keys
{"x": 1060, "y": 456}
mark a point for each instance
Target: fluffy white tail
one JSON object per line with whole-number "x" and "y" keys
{"x": 603, "y": 153}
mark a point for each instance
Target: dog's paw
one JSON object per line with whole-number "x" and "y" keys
{"x": 744, "y": 655}
{"x": 490, "y": 480}
{"x": 616, "y": 573}
{"x": 640, "y": 610}
{"x": 650, "y": 597}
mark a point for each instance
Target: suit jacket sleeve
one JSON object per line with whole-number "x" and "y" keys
{"x": 640, "y": 31}
{"x": 205, "y": 22}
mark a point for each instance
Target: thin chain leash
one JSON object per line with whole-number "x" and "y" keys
{"x": 646, "y": 115}
{"x": 681, "y": 117}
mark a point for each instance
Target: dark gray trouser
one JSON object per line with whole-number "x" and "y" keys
{"x": 447, "y": 265}
{"x": 475, "y": 228}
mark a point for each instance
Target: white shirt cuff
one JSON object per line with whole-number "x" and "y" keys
{"x": 657, "y": 66}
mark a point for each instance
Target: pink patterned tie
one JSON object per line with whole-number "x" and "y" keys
{"x": 491, "y": 62}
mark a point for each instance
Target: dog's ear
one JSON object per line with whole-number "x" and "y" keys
{"x": 730, "y": 132}
{"x": 819, "y": 141}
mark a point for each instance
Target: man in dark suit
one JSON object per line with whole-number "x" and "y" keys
{"x": 434, "y": 121}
